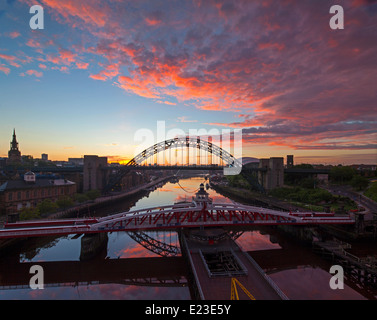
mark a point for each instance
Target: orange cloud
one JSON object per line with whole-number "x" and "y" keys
{"x": 152, "y": 22}
{"x": 92, "y": 12}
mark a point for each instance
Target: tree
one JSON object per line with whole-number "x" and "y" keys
{"x": 64, "y": 202}
{"x": 359, "y": 183}
{"x": 29, "y": 213}
{"x": 93, "y": 194}
{"x": 342, "y": 174}
{"x": 79, "y": 197}
{"x": 47, "y": 206}
{"x": 372, "y": 191}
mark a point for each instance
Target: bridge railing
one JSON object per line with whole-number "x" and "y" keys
{"x": 281, "y": 294}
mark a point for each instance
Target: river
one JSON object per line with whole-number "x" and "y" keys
{"x": 299, "y": 272}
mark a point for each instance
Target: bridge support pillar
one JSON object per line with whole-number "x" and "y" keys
{"x": 93, "y": 244}
{"x": 273, "y": 177}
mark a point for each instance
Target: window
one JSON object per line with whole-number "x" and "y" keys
{"x": 10, "y": 196}
{"x": 19, "y": 195}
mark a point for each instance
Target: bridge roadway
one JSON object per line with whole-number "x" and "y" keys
{"x": 215, "y": 263}
{"x": 80, "y": 169}
{"x": 177, "y": 216}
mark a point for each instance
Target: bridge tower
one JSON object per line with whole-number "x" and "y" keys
{"x": 273, "y": 176}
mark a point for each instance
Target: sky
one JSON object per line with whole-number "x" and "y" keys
{"x": 101, "y": 71}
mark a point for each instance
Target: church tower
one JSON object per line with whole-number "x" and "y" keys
{"x": 14, "y": 155}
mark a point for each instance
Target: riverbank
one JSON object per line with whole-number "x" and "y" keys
{"x": 89, "y": 206}
{"x": 254, "y": 198}
{"x": 346, "y": 233}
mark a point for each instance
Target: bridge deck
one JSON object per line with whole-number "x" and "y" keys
{"x": 175, "y": 216}
{"x": 214, "y": 286}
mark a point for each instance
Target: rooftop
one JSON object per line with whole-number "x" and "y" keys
{"x": 21, "y": 184}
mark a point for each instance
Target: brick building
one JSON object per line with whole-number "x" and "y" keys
{"x": 29, "y": 191}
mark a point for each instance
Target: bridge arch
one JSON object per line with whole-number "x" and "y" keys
{"x": 232, "y": 166}
{"x": 186, "y": 142}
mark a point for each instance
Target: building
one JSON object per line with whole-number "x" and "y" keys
{"x": 44, "y": 157}
{"x": 95, "y": 177}
{"x": 290, "y": 163}
{"x": 14, "y": 154}
{"x": 76, "y": 161}
{"x": 29, "y": 191}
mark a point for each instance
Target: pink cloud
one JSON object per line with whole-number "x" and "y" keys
{"x": 65, "y": 57}
{"x": 4, "y": 69}
{"x": 33, "y": 43}
{"x": 7, "y": 57}
{"x": 82, "y": 65}
{"x": 34, "y": 73}
{"x": 98, "y": 77}
{"x": 14, "y": 34}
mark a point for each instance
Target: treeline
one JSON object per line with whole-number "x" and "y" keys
{"x": 47, "y": 206}
{"x": 318, "y": 198}
{"x": 348, "y": 175}
{"x": 371, "y": 192}
{"x": 341, "y": 175}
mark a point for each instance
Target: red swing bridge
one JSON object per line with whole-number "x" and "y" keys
{"x": 201, "y": 212}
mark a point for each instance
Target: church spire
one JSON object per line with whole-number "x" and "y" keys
{"x": 14, "y": 143}
{"x": 14, "y": 155}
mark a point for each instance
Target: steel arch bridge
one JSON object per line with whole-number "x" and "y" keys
{"x": 188, "y": 142}
{"x": 196, "y": 143}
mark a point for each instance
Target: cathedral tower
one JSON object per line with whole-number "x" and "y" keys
{"x": 14, "y": 155}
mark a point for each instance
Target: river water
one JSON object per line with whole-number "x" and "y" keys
{"x": 300, "y": 273}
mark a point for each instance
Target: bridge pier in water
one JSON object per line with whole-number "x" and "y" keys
{"x": 93, "y": 245}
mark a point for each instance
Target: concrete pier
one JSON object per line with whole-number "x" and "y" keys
{"x": 93, "y": 244}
